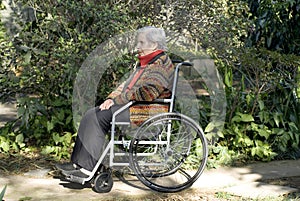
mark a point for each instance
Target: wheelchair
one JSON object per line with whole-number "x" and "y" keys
{"x": 167, "y": 153}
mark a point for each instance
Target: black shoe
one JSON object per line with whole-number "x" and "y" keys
{"x": 66, "y": 167}
{"x": 69, "y": 172}
{"x": 75, "y": 173}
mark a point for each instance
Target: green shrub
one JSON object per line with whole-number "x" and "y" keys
{"x": 42, "y": 60}
{"x": 263, "y": 111}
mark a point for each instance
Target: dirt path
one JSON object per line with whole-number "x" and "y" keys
{"x": 258, "y": 181}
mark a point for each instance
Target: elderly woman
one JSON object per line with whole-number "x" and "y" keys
{"x": 152, "y": 79}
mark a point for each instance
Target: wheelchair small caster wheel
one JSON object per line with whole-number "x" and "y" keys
{"x": 103, "y": 182}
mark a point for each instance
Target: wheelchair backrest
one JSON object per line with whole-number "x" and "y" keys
{"x": 175, "y": 82}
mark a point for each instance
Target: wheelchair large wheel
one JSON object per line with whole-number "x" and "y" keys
{"x": 168, "y": 152}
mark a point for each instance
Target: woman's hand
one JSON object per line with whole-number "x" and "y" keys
{"x": 106, "y": 104}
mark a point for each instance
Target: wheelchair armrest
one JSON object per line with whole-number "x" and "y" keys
{"x": 165, "y": 100}
{"x": 117, "y": 112}
{"x": 160, "y": 100}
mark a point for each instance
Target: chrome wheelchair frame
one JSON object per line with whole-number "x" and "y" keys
{"x": 154, "y": 157}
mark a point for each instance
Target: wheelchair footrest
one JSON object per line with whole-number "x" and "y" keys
{"x": 76, "y": 179}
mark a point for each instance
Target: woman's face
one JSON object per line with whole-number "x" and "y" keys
{"x": 144, "y": 46}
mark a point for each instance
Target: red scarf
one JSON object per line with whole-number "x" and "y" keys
{"x": 144, "y": 60}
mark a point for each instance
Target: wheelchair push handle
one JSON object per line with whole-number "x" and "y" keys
{"x": 186, "y": 64}
{"x": 183, "y": 63}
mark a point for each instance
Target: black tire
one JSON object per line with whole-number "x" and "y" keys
{"x": 162, "y": 152}
{"x": 103, "y": 183}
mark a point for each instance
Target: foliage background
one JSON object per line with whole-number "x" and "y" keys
{"x": 255, "y": 46}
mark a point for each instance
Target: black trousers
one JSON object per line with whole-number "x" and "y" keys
{"x": 90, "y": 141}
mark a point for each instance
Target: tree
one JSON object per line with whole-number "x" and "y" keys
{"x": 277, "y": 25}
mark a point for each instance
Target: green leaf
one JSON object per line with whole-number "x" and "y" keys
{"x": 61, "y": 116}
{"x": 57, "y": 139}
{"x": 246, "y": 117}
{"x": 264, "y": 133}
{"x": 220, "y": 134}
{"x": 48, "y": 150}
{"x": 3, "y": 192}
{"x": 50, "y": 126}
{"x": 269, "y": 41}
{"x": 248, "y": 141}
{"x": 293, "y": 126}
{"x": 209, "y": 127}
{"x": 69, "y": 119}
{"x": 20, "y": 138}
{"x": 27, "y": 57}
{"x": 228, "y": 78}
{"x": 5, "y": 146}
{"x": 236, "y": 118}
{"x": 261, "y": 105}
{"x": 239, "y": 117}
{"x": 277, "y": 118}
{"x": 263, "y": 116}
{"x": 15, "y": 146}
{"x": 67, "y": 137}
{"x": 278, "y": 131}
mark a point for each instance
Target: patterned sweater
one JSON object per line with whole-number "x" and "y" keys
{"x": 154, "y": 82}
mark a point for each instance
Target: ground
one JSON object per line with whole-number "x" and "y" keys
{"x": 20, "y": 164}
{"x": 293, "y": 182}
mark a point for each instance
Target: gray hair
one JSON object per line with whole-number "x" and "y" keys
{"x": 156, "y": 35}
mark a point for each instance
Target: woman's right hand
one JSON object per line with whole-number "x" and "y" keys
{"x": 106, "y": 104}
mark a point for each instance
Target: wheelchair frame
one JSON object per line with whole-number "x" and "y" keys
{"x": 104, "y": 182}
